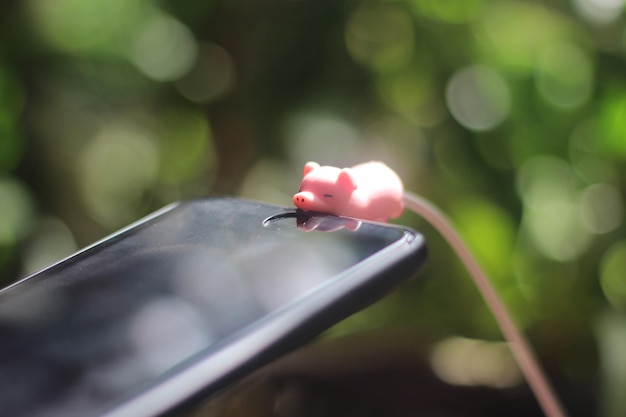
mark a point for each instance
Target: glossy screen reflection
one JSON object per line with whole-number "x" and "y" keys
{"x": 80, "y": 336}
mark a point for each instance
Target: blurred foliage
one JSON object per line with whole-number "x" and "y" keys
{"x": 509, "y": 114}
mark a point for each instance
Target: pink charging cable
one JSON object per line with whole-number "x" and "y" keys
{"x": 372, "y": 191}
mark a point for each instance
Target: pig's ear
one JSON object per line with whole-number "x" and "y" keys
{"x": 308, "y": 167}
{"x": 346, "y": 179}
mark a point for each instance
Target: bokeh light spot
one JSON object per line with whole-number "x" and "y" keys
{"x": 185, "y": 146}
{"x": 612, "y": 122}
{"x": 411, "y": 92}
{"x": 380, "y": 36}
{"x": 211, "y": 77}
{"x": 16, "y": 211}
{"x": 400, "y": 144}
{"x": 164, "y": 49}
{"x": 51, "y": 242}
{"x": 326, "y": 139}
{"x": 451, "y": 11}
{"x": 552, "y": 214}
{"x": 270, "y": 181}
{"x": 613, "y": 275}
{"x": 557, "y": 231}
{"x": 600, "y": 11}
{"x": 86, "y": 25}
{"x": 564, "y": 75}
{"x": 478, "y": 98}
{"x": 503, "y": 37}
{"x": 542, "y": 178}
{"x": 115, "y": 170}
{"x": 602, "y": 208}
{"x": 547, "y": 286}
{"x": 592, "y": 166}
{"x": 406, "y": 89}
{"x": 470, "y": 362}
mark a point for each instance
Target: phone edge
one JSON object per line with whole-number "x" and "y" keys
{"x": 124, "y": 229}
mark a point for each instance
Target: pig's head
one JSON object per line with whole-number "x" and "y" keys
{"x": 325, "y": 189}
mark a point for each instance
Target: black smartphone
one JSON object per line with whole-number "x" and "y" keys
{"x": 176, "y": 306}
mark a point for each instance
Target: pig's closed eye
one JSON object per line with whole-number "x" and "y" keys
{"x": 328, "y": 195}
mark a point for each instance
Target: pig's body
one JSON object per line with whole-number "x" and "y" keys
{"x": 370, "y": 191}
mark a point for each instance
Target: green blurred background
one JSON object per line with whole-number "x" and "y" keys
{"x": 510, "y": 115}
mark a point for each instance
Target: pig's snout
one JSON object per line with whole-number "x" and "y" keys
{"x": 303, "y": 200}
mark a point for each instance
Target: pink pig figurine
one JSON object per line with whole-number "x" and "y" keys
{"x": 368, "y": 191}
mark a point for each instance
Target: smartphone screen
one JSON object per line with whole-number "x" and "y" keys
{"x": 182, "y": 301}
